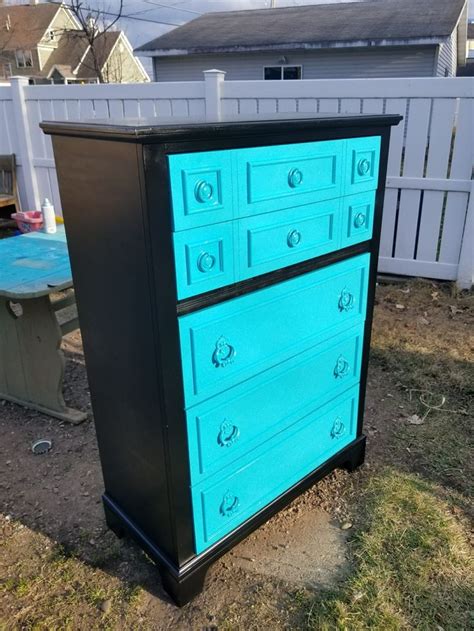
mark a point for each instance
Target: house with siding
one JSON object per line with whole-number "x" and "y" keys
{"x": 376, "y": 38}
{"x": 44, "y": 42}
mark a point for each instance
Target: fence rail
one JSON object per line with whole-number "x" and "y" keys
{"x": 428, "y": 225}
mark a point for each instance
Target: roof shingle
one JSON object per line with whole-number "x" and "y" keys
{"x": 312, "y": 25}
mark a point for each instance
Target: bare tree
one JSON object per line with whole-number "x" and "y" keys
{"x": 95, "y": 23}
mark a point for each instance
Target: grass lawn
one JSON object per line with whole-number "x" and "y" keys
{"x": 408, "y": 561}
{"x": 413, "y": 566}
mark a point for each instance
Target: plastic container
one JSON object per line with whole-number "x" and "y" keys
{"x": 49, "y": 219}
{"x": 28, "y": 221}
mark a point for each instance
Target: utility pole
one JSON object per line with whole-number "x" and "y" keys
{"x": 273, "y": 4}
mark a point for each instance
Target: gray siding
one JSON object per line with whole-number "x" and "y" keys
{"x": 447, "y": 57}
{"x": 317, "y": 64}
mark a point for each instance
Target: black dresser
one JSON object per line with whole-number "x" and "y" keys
{"x": 224, "y": 275}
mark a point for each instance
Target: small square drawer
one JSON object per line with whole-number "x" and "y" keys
{"x": 230, "y": 342}
{"x": 201, "y": 188}
{"x": 271, "y": 241}
{"x": 226, "y": 500}
{"x": 223, "y": 429}
{"x": 357, "y": 218}
{"x": 362, "y": 164}
{"x": 282, "y": 176}
{"x": 204, "y": 259}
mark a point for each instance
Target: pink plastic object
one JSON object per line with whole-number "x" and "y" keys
{"x": 28, "y": 221}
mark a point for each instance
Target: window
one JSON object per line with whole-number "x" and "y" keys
{"x": 24, "y": 59}
{"x": 7, "y": 70}
{"x": 51, "y": 35}
{"x": 287, "y": 73}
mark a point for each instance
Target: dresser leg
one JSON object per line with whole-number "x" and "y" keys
{"x": 113, "y": 522}
{"x": 356, "y": 456}
{"x": 185, "y": 589}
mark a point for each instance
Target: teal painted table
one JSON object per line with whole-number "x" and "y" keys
{"x": 33, "y": 267}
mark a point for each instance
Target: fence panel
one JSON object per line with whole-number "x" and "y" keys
{"x": 424, "y": 228}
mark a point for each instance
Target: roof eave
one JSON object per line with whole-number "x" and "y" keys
{"x": 178, "y": 52}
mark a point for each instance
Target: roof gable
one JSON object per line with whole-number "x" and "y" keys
{"x": 28, "y": 24}
{"x": 313, "y": 25}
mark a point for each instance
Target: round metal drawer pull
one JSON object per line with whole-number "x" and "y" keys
{"x": 295, "y": 178}
{"x": 337, "y": 428}
{"x": 203, "y": 191}
{"x": 206, "y": 262}
{"x": 294, "y": 238}
{"x": 346, "y": 300}
{"x": 363, "y": 166}
{"x": 359, "y": 220}
{"x": 228, "y": 434}
{"x": 229, "y": 505}
{"x": 341, "y": 369}
{"x": 223, "y": 354}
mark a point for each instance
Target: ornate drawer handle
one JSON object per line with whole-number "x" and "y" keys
{"x": 206, "y": 262}
{"x": 359, "y": 220}
{"x": 338, "y": 428}
{"x": 295, "y": 178}
{"x": 223, "y": 354}
{"x": 228, "y": 434}
{"x": 346, "y": 300}
{"x": 229, "y": 505}
{"x": 293, "y": 238}
{"x": 341, "y": 369}
{"x": 203, "y": 191}
{"x": 363, "y": 166}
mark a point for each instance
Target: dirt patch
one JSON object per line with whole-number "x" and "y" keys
{"x": 53, "y": 534}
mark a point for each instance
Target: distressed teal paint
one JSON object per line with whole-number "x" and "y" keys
{"x": 268, "y": 326}
{"x": 224, "y": 428}
{"x": 228, "y": 498}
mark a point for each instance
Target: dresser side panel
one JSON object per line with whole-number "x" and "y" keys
{"x": 101, "y": 195}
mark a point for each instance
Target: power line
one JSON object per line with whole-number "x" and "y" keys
{"x": 173, "y": 7}
{"x": 124, "y": 17}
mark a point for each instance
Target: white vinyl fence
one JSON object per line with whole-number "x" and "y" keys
{"x": 428, "y": 226}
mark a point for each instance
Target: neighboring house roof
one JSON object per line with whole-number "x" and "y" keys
{"x": 71, "y": 49}
{"x": 380, "y": 22}
{"x": 103, "y": 46}
{"x": 28, "y": 24}
{"x": 470, "y": 30}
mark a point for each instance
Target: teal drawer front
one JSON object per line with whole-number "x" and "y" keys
{"x": 357, "y": 218}
{"x": 270, "y": 241}
{"x": 221, "y": 505}
{"x": 282, "y": 176}
{"x": 227, "y": 343}
{"x": 362, "y": 164}
{"x": 223, "y": 429}
{"x": 201, "y": 188}
{"x": 204, "y": 259}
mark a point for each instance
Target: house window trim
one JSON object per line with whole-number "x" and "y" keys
{"x": 21, "y": 58}
{"x": 281, "y": 66}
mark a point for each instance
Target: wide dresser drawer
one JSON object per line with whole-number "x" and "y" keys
{"x": 225, "y": 501}
{"x": 225, "y": 344}
{"x": 281, "y": 176}
{"x": 226, "y": 427}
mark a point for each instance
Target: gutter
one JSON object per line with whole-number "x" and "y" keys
{"x": 179, "y": 52}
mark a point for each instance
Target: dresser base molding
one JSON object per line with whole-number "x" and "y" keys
{"x": 185, "y": 582}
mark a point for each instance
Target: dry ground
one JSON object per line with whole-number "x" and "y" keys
{"x": 384, "y": 548}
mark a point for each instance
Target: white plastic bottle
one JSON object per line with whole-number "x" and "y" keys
{"x": 49, "y": 218}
